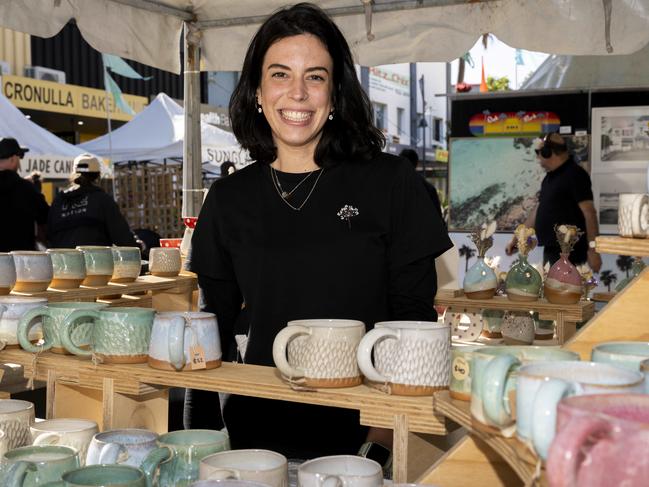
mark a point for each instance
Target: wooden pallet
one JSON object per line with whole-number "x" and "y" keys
{"x": 635, "y": 247}
{"x": 566, "y": 316}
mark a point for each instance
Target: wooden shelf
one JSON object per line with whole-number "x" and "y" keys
{"x": 513, "y": 451}
{"x": 565, "y": 315}
{"x": 635, "y": 247}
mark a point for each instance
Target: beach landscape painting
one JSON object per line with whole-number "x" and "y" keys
{"x": 497, "y": 179}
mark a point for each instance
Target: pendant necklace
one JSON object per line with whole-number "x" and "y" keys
{"x": 287, "y": 194}
{"x": 281, "y": 193}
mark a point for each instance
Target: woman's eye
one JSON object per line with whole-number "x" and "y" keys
{"x": 278, "y": 74}
{"x": 316, "y": 77}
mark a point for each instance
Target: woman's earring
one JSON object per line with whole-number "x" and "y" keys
{"x": 331, "y": 116}
{"x": 259, "y": 108}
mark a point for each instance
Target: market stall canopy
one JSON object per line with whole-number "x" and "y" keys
{"x": 48, "y": 154}
{"x": 631, "y": 70}
{"x": 149, "y": 31}
{"x": 157, "y": 133}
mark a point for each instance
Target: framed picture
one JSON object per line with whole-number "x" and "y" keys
{"x": 620, "y": 139}
{"x": 606, "y": 190}
{"x": 498, "y": 178}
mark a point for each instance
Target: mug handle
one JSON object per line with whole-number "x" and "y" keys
{"x": 66, "y": 330}
{"x": 110, "y": 454}
{"x": 17, "y": 473}
{"x": 25, "y": 325}
{"x": 46, "y": 439}
{"x": 544, "y": 412}
{"x": 322, "y": 480}
{"x": 153, "y": 460}
{"x": 224, "y": 474}
{"x": 493, "y": 389}
{"x": 364, "y": 353}
{"x": 279, "y": 350}
{"x": 563, "y": 457}
{"x": 176, "y": 341}
{"x": 636, "y": 216}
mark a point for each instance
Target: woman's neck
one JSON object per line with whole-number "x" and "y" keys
{"x": 295, "y": 160}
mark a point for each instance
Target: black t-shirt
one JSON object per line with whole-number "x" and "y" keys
{"x": 22, "y": 206}
{"x": 287, "y": 265}
{"x": 561, "y": 192}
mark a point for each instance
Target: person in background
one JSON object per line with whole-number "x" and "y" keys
{"x": 83, "y": 214}
{"x": 227, "y": 168}
{"x": 566, "y": 197}
{"x": 413, "y": 158}
{"x": 23, "y": 217}
{"x": 322, "y": 224}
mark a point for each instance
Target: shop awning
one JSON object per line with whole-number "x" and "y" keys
{"x": 149, "y": 31}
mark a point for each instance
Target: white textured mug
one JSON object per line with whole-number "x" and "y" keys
{"x": 76, "y": 433}
{"x": 340, "y": 470}
{"x": 122, "y": 446}
{"x": 264, "y": 466}
{"x": 321, "y": 353}
{"x": 412, "y": 358}
{"x": 16, "y": 417}
{"x": 633, "y": 215}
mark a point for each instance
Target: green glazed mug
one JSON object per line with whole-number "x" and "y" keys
{"x": 118, "y": 335}
{"x": 188, "y": 448}
{"x": 32, "y": 466}
{"x": 53, "y": 316}
{"x": 103, "y": 476}
{"x": 623, "y": 354}
{"x": 69, "y": 268}
{"x": 99, "y": 264}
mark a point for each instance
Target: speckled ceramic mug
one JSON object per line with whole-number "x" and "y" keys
{"x": 69, "y": 268}
{"x": 411, "y": 357}
{"x": 34, "y": 271}
{"x": 164, "y": 262}
{"x": 122, "y": 446}
{"x": 119, "y": 335}
{"x": 7, "y": 273}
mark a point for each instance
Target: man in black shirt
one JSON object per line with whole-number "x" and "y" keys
{"x": 23, "y": 209}
{"x": 566, "y": 198}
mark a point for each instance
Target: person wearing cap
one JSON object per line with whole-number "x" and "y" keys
{"x": 24, "y": 209}
{"x": 83, "y": 214}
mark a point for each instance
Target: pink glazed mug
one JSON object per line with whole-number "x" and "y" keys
{"x": 602, "y": 441}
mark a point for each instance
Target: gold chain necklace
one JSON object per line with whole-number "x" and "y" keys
{"x": 276, "y": 184}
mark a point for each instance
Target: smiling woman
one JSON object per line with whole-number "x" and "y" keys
{"x": 322, "y": 225}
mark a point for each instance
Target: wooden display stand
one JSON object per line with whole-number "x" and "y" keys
{"x": 566, "y": 316}
{"x": 485, "y": 459}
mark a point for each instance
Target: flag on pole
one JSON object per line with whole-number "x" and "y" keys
{"x": 483, "y": 82}
{"x": 117, "y": 65}
{"x": 519, "y": 57}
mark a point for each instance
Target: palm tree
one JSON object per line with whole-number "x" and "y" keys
{"x": 608, "y": 278}
{"x": 466, "y": 252}
{"x": 624, "y": 263}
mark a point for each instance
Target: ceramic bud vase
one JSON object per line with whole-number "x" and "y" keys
{"x": 480, "y": 281}
{"x": 563, "y": 284}
{"x": 523, "y": 282}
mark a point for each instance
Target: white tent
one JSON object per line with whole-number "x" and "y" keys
{"x": 631, "y": 70}
{"x": 48, "y": 154}
{"x": 157, "y": 133}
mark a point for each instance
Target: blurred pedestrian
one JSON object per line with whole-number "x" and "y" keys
{"x": 24, "y": 210}
{"x": 227, "y": 168}
{"x": 83, "y": 214}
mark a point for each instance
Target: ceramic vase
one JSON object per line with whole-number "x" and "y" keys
{"x": 493, "y": 320}
{"x": 523, "y": 282}
{"x": 480, "y": 281}
{"x": 563, "y": 284}
{"x": 518, "y": 328}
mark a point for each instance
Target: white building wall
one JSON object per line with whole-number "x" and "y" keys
{"x": 434, "y": 84}
{"x": 390, "y": 86}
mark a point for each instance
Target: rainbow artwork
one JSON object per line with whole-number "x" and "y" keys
{"x": 513, "y": 123}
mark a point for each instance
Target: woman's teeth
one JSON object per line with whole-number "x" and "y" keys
{"x": 295, "y": 116}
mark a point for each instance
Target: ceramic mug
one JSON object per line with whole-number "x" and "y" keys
{"x": 34, "y": 271}
{"x": 602, "y": 441}
{"x": 7, "y": 273}
{"x": 460, "y": 380}
{"x": 625, "y": 354}
{"x": 99, "y": 264}
{"x": 227, "y": 483}
{"x": 644, "y": 368}
{"x": 180, "y": 339}
{"x": 164, "y": 261}
{"x": 321, "y": 353}
{"x": 345, "y": 470}
{"x": 541, "y": 386}
{"x": 412, "y": 357}
{"x": 12, "y": 308}
{"x": 75, "y": 433}
{"x": 32, "y": 466}
{"x": 4, "y": 443}
{"x": 103, "y": 476}
{"x": 493, "y": 321}
{"x": 123, "y": 446}
{"x": 263, "y": 466}
{"x": 118, "y": 335}
{"x": 69, "y": 268}
{"x": 16, "y": 417}
{"x": 187, "y": 449}
{"x": 127, "y": 263}
{"x": 53, "y": 316}
{"x": 493, "y": 380}
{"x": 633, "y": 215}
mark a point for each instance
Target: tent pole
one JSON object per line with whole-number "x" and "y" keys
{"x": 192, "y": 176}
